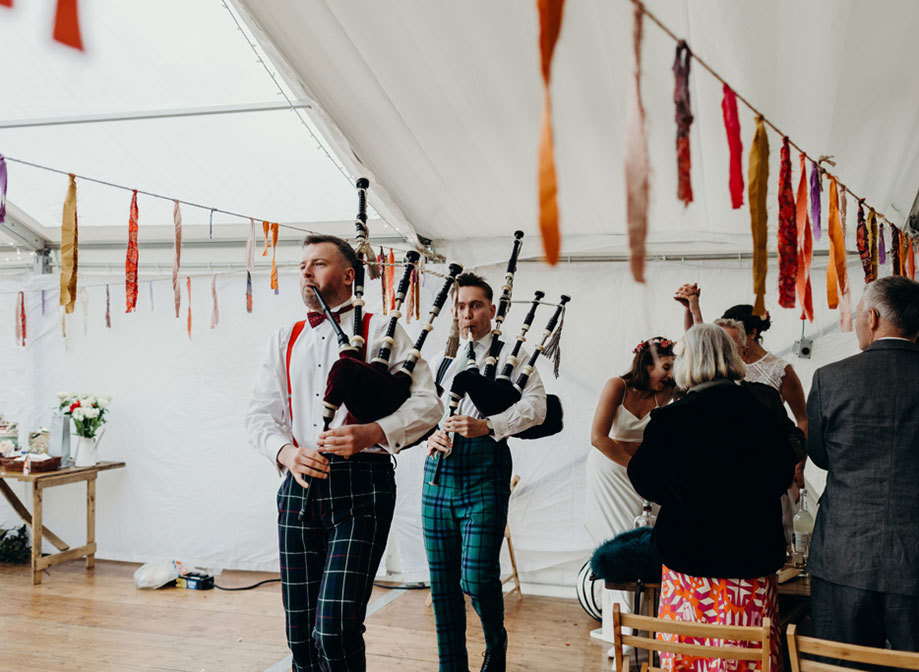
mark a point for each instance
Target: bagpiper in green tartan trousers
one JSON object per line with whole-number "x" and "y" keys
{"x": 464, "y": 518}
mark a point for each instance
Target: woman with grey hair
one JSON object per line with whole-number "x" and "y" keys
{"x": 717, "y": 461}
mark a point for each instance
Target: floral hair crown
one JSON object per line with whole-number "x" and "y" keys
{"x": 661, "y": 343}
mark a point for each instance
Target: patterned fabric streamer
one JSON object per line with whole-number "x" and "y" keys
{"x": 815, "y": 200}
{"x": 177, "y": 259}
{"x": 130, "y": 266}
{"x": 188, "y": 286}
{"x": 758, "y": 187}
{"x": 873, "y": 241}
{"x": 550, "y": 25}
{"x": 108, "y": 308}
{"x": 681, "y": 64}
{"x": 732, "y": 128}
{"x": 788, "y": 235}
{"x": 20, "y": 319}
{"x": 2, "y": 189}
{"x": 861, "y": 240}
{"x": 69, "y": 248}
{"x": 882, "y": 248}
{"x": 636, "y": 163}
{"x": 845, "y": 301}
{"x": 248, "y": 291}
{"x": 836, "y": 269}
{"x": 67, "y": 24}
{"x": 274, "y": 252}
{"x": 215, "y": 311}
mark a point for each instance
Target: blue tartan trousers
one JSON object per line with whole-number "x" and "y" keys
{"x": 329, "y": 559}
{"x": 463, "y": 519}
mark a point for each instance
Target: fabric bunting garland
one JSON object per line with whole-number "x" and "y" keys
{"x": 108, "y": 308}
{"x": 732, "y": 128}
{"x": 177, "y": 257}
{"x": 69, "y": 248}
{"x": 861, "y": 240}
{"x": 274, "y": 254}
{"x": 2, "y": 189}
{"x": 130, "y": 266}
{"x": 836, "y": 269}
{"x": 550, "y": 25}
{"x": 758, "y": 176}
{"x": 215, "y": 311}
{"x": 683, "y": 121}
{"x": 188, "y": 286}
{"x": 67, "y": 24}
{"x": 788, "y": 233}
{"x": 873, "y": 242}
{"x": 882, "y": 248}
{"x": 845, "y": 300}
{"x": 20, "y": 319}
{"x": 815, "y": 189}
{"x": 637, "y": 165}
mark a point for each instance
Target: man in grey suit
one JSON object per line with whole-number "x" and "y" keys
{"x": 863, "y": 422}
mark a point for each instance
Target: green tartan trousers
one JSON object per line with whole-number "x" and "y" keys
{"x": 463, "y": 519}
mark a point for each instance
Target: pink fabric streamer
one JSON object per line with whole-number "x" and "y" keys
{"x": 108, "y": 308}
{"x": 637, "y": 166}
{"x": 177, "y": 259}
{"x": 732, "y": 128}
{"x": 215, "y": 312}
{"x": 845, "y": 303}
{"x": 815, "y": 199}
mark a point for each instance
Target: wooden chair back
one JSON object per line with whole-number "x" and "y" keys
{"x": 867, "y": 655}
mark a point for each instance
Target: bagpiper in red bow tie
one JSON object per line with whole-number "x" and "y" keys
{"x": 316, "y": 318}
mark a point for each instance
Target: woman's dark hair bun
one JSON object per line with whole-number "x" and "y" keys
{"x": 744, "y": 313}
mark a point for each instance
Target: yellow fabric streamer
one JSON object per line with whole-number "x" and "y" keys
{"x": 836, "y": 269}
{"x": 757, "y": 188}
{"x": 550, "y": 25}
{"x": 274, "y": 252}
{"x": 69, "y": 247}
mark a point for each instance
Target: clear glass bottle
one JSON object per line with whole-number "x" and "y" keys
{"x": 646, "y": 518}
{"x": 803, "y": 528}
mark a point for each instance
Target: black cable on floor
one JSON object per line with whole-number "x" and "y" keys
{"x": 254, "y": 585}
{"x": 411, "y": 586}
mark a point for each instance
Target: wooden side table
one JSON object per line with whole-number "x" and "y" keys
{"x": 49, "y": 479}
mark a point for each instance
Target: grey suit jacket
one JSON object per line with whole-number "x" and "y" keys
{"x": 863, "y": 428}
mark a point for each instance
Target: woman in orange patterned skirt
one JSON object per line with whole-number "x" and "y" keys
{"x": 717, "y": 461}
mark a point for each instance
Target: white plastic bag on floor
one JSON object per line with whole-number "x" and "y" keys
{"x": 158, "y": 574}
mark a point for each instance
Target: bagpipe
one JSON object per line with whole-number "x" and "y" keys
{"x": 492, "y": 395}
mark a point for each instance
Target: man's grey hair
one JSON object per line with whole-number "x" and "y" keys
{"x": 708, "y": 353}
{"x": 736, "y": 325}
{"x": 896, "y": 299}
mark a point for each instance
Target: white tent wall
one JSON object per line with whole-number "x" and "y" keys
{"x": 194, "y": 490}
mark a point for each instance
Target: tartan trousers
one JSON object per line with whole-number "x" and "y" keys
{"x": 329, "y": 559}
{"x": 463, "y": 520}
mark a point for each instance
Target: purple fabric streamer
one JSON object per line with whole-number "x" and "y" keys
{"x": 2, "y": 189}
{"x": 210, "y": 227}
{"x": 882, "y": 248}
{"x": 42, "y": 302}
{"x": 815, "y": 200}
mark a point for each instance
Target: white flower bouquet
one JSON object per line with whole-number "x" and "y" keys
{"x": 88, "y": 411}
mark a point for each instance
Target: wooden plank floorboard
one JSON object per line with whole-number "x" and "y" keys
{"x": 98, "y": 621}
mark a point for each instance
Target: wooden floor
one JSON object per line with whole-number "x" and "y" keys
{"x": 98, "y": 621}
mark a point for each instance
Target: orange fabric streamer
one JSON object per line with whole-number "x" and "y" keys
{"x": 550, "y": 25}
{"x": 266, "y": 227}
{"x": 69, "y": 247}
{"x": 757, "y": 189}
{"x": 836, "y": 269}
{"x": 805, "y": 247}
{"x": 274, "y": 253}
{"x": 911, "y": 259}
{"x": 67, "y": 24}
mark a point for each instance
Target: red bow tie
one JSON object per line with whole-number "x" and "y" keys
{"x": 315, "y": 319}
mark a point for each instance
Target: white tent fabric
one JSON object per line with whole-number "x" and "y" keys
{"x": 442, "y": 101}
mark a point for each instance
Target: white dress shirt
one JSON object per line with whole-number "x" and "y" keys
{"x": 268, "y": 422}
{"x": 528, "y": 412}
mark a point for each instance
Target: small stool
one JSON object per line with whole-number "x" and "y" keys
{"x": 513, "y": 576}
{"x": 651, "y": 591}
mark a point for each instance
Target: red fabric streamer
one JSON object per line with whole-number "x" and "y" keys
{"x": 788, "y": 234}
{"x": 861, "y": 240}
{"x": 683, "y": 121}
{"x": 805, "y": 247}
{"x": 6, "y": 3}
{"x": 732, "y": 128}
{"x": 910, "y": 259}
{"x": 130, "y": 266}
{"x": 67, "y": 24}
